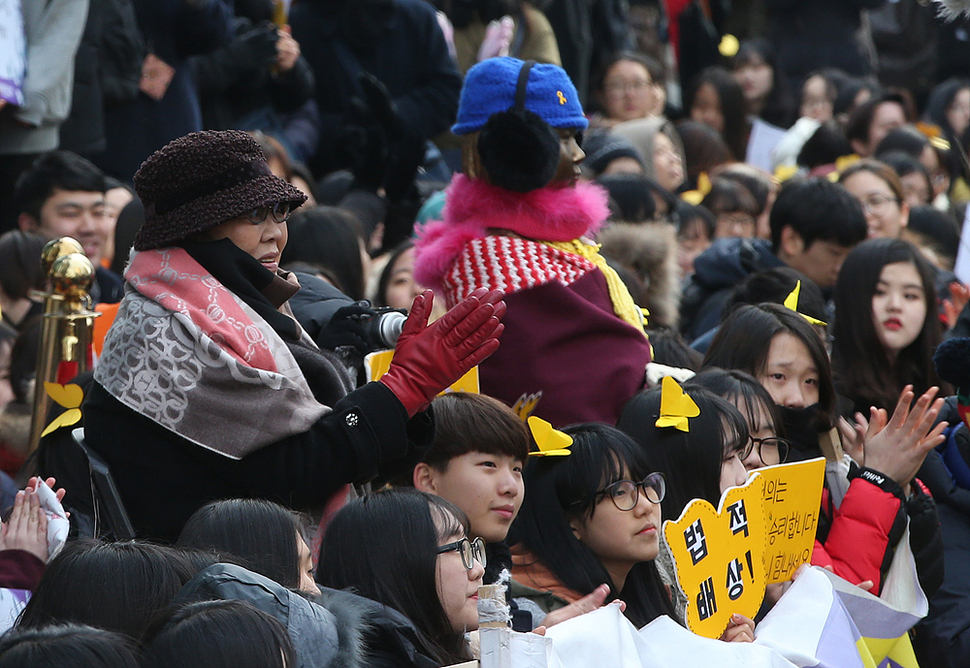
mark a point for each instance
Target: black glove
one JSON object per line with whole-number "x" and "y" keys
{"x": 255, "y": 49}
{"x": 348, "y": 327}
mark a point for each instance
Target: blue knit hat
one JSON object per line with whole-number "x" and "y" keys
{"x": 490, "y": 88}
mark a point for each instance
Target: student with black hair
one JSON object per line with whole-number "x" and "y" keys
{"x": 814, "y": 225}
{"x": 475, "y": 461}
{"x": 887, "y": 326}
{"x": 112, "y": 586}
{"x": 765, "y": 445}
{"x": 218, "y": 634}
{"x": 916, "y": 181}
{"x": 68, "y": 646}
{"x": 870, "y": 122}
{"x": 20, "y": 273}
{"x": 717, "y": 100}
{"x": 858, "y": 537}
{"x": 62, "y": 194}
{"x": 734, "y": 207}
{"x": 594, "y": 519}
{"x": 773, "y": 285}
{"x": 264, "y": 536}
{"x": 412, "y": 552}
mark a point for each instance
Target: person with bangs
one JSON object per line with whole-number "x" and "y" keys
{"x": 880, "y": 192}
{"x": 592, "y": 522}
{"x": 857, "y": 537}
{"x": 411, "y": 552}
{"x": 480, "y": 448}
{"x": 887, "y": 327}
{"x": 765, "y": 446}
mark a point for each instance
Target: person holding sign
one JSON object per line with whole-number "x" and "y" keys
{"x": 701, "y": 456}
{"x": 593, "y": 517}
{"x": 765, "y": 447}
{"x": 858, "y": 536}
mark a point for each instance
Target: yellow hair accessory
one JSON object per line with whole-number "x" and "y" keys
{"x": 785, "y": 172}
{"x": 697, "y": 195}
{"x": 551, "y": 441}
{"x": 843, "y": 163}
{"x": 729, "y": 46}
{"x": 676, "y": 406}
{"x": 791, "y": 302}
{"x": 68, "y": 396}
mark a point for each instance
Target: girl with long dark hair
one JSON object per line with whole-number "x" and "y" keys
{"x": 409, "y": 551}
{"x": 887, "y": 327}
{"x": 594, "y": 518}
{"x": 856, "y": 537}
{"x": 266, "y": 537}
{"x": 717, "y": 100}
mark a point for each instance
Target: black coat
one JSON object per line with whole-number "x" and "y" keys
{"x": 408, "y": 55}
{"x": 172, "y": 30}
{"x": 943, "y": 637}
{"x": 163, "y": 478}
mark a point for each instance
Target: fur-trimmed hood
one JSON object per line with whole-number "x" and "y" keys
{"x": 327, "y": 633}
{"x": 473, "y": 207}
{"x": 650, "y": 251}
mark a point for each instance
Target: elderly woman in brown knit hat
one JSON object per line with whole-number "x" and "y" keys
{"x": 208, "y": 388}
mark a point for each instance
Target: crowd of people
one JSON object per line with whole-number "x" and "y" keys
{"x": 574, "y": 199}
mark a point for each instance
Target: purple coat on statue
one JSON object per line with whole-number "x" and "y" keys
{"x": 565, "y": 353}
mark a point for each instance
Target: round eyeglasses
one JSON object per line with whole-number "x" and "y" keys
{"x": 878, "y": 204}
{"x": 771, "y": 450}
{"x": 279, "y": 211}
{"x": 470, "y": 551}
{"x": 625, "y": 493}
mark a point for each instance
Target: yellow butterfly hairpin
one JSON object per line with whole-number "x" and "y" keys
{"x": 676, "y": 406}
{"x": 551, "y": 441}
{"x": 791, "y": 302}
{"x": 68, "y": 396}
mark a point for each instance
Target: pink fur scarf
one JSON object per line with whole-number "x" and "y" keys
{"x": 473, "y": 206}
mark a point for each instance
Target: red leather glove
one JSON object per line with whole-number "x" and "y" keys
{"x": 427, "y": 359}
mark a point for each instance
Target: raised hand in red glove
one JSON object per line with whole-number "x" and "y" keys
{"x": 427, "y": 359}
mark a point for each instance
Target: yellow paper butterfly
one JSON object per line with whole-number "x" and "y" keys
{"x": 551, "y": 441}
{"x": 68, "y": 396}
{"x": 676, "y": 406}
{"x": 791, "y": 302}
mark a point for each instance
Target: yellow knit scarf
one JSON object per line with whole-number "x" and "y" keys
{"x": 623, "y": 304}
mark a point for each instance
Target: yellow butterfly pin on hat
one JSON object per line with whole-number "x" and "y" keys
{"x": 791, "y": 302}
{"x": 676, "y": 406}
{"x": 551, "y": 441}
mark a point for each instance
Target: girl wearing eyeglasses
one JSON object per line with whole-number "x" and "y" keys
{"x": 765, "y": 447}
{"x": 880, "y": 192}
{"x": 593, "y": 518}
{"x": 856, "y": 538}
{"x": 409, "y": 551}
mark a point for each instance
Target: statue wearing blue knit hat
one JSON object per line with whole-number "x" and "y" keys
{"x": 517, "y": 219}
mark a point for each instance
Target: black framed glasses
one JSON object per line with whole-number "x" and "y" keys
{"x": 470, "y": 551}
{"x": 771, "y": 449}
{"x": 625, "y": 493}
{"x": 279, "y": 211}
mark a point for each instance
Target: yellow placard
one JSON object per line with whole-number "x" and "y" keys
{"x": 377, "y": 364}
{"x": 718, "y": 557}
{"x": 792, "y": 498}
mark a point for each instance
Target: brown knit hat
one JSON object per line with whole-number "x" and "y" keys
{"x": 202, "y": 180}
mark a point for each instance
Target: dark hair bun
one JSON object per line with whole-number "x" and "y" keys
{"x": 952, "y": 360}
